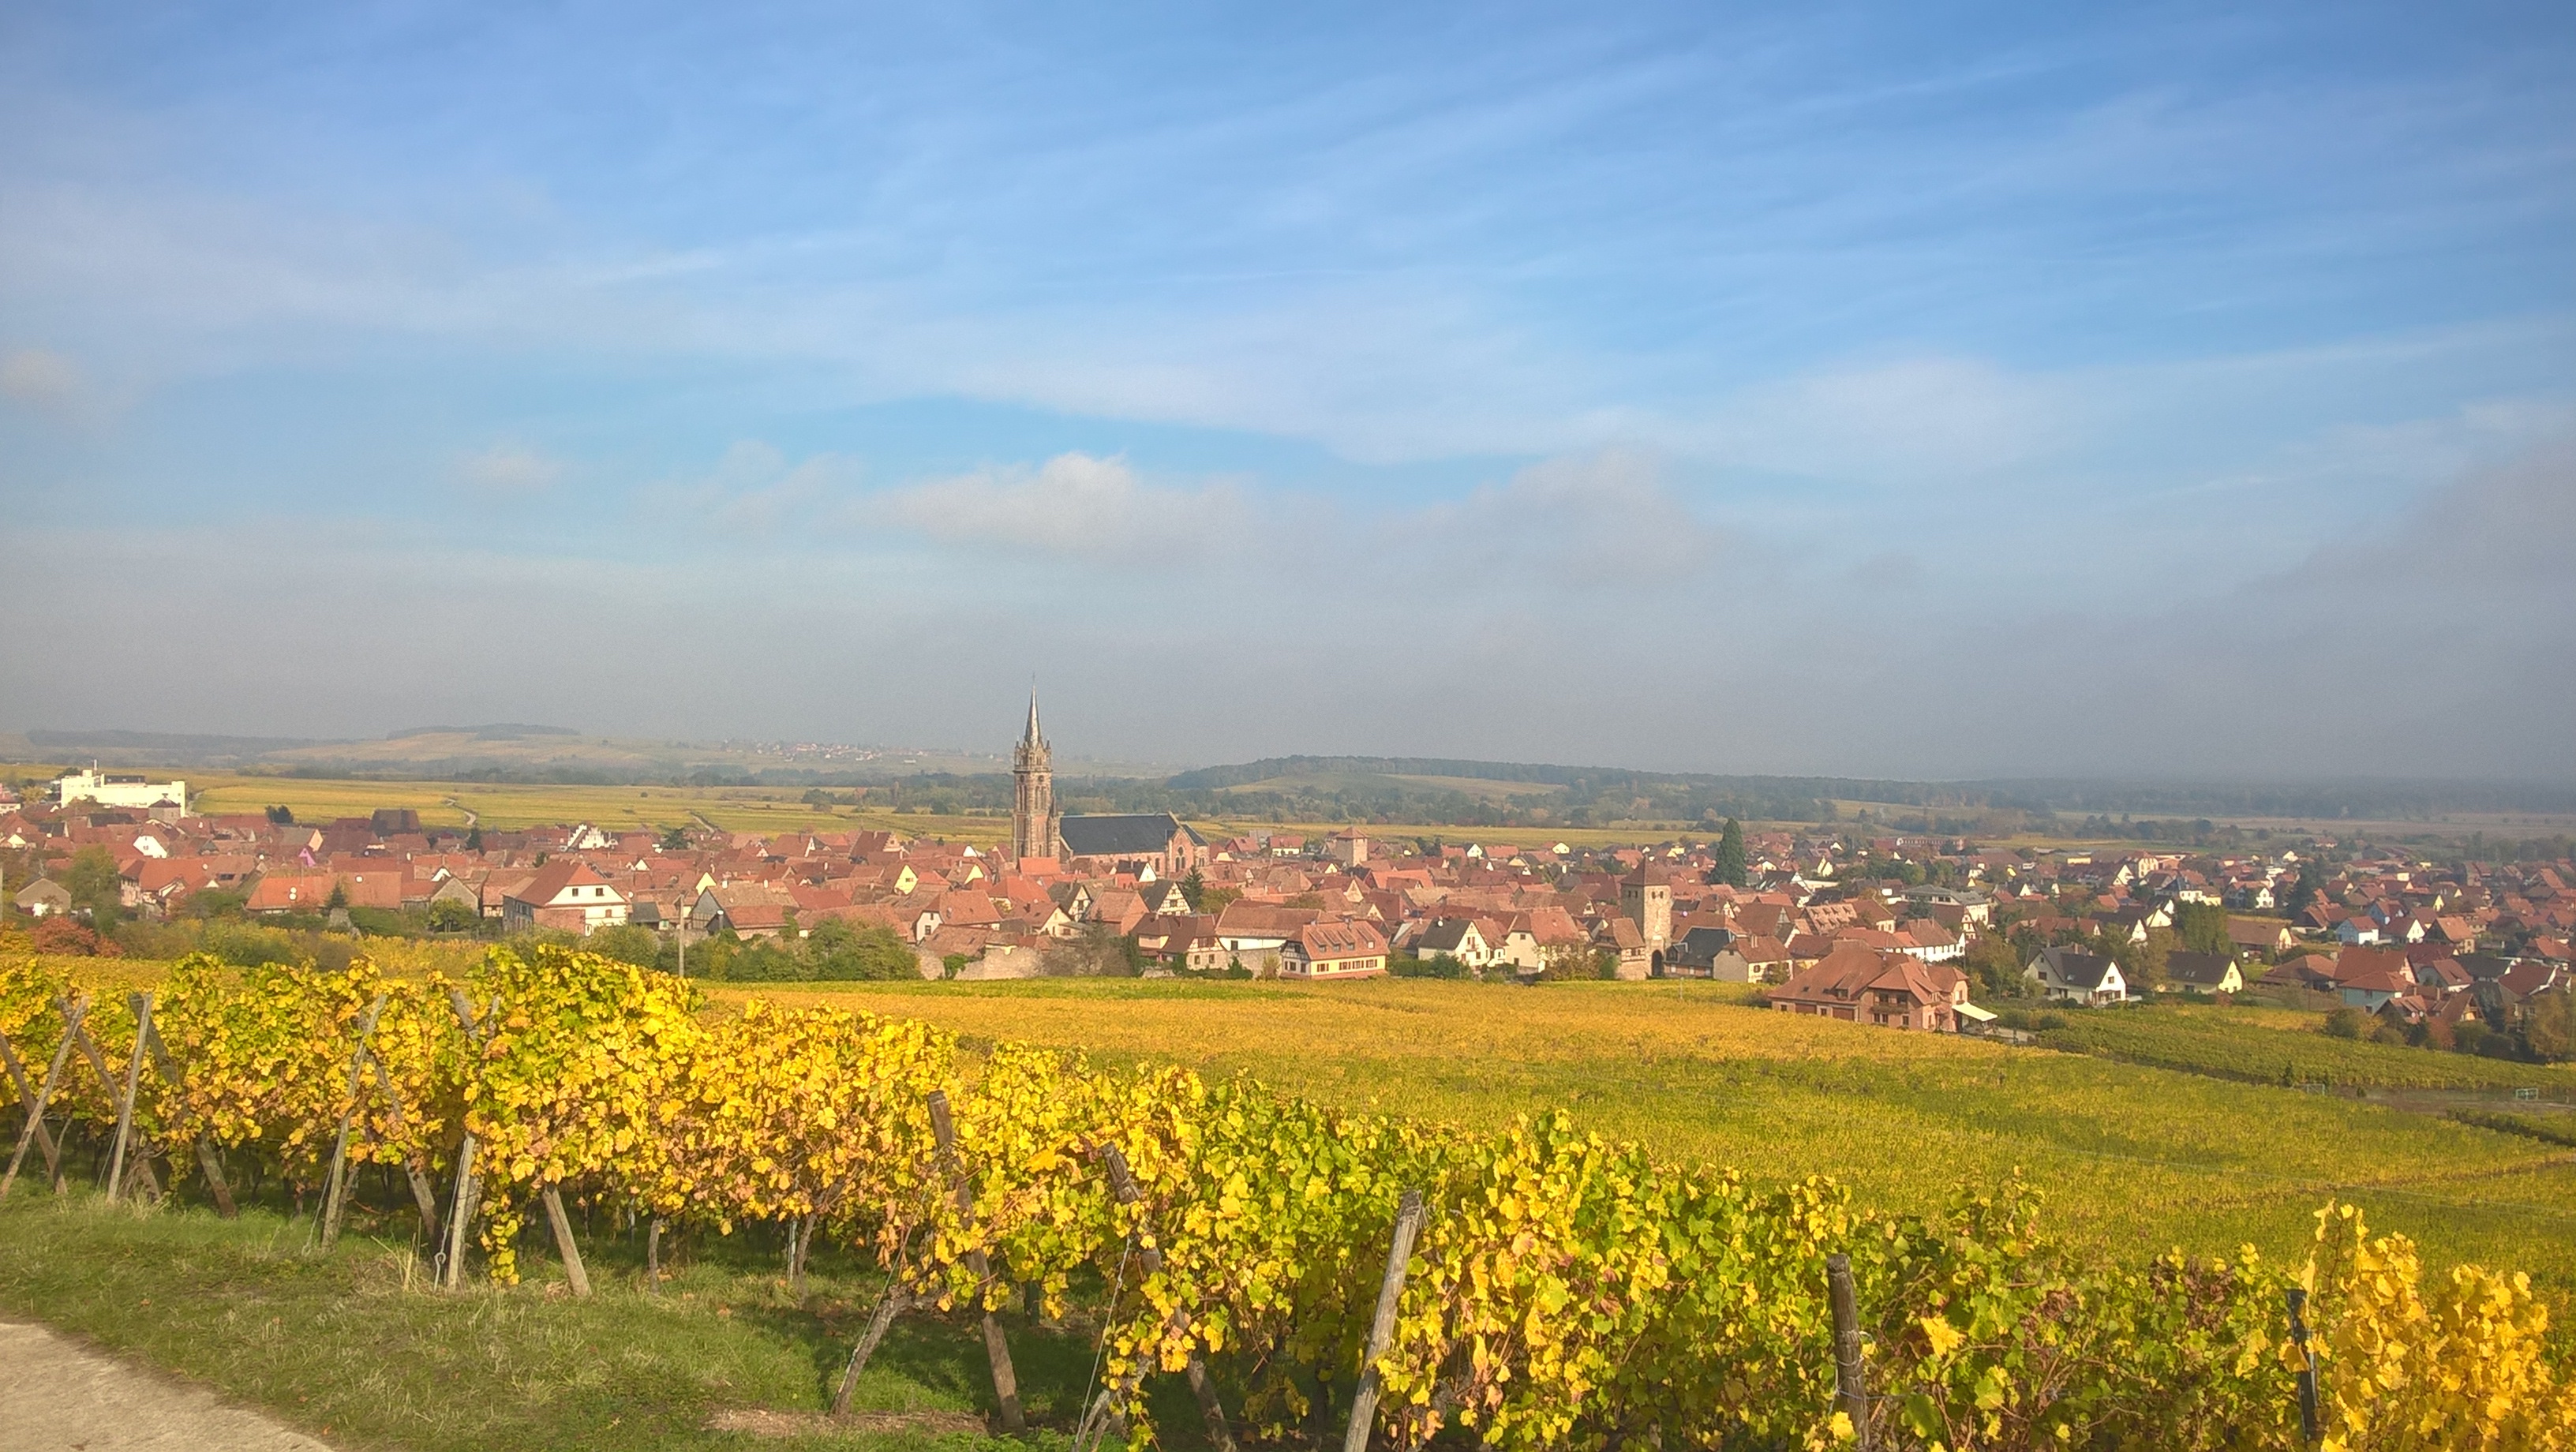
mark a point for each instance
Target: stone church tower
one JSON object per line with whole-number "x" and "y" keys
{"x": 1646, "y": 899}
{"x": 1033, "y": 817}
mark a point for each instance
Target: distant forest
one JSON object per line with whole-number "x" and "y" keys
{"x": 1370, "y": 788}
{"x": 1409, "y": 789}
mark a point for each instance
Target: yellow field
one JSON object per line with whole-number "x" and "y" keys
{"x": 767, "y": 809}
{"x": 451, "y": 804}
{"x": 2132, "y": 1158}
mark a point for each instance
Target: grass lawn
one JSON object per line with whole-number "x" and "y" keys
{"x": 2133, "y": 1158}
{"x": 354, "y": 1347}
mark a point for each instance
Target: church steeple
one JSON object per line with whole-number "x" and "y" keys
{"x": 1033, "y": 796}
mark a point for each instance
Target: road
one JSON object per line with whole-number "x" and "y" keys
{"x": 57, "y": 1395}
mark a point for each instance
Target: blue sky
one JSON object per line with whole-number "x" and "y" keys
{"x": 1934, "y": 390}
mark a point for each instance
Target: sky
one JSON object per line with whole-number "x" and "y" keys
{"x": 1937, "y": 390}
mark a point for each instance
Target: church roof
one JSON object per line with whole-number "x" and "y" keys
{"x": 1132, "y": 835}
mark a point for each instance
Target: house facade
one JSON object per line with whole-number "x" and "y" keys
{"x": 2067, "y": 976}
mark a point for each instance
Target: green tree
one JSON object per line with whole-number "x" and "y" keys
{"x": 675, "y": 839}
{"x": 1194, "y": 889}
{"x": 450, "y": 916}
{"x": 97, "y": 892}
{"x": 626, "y": 943}
{"x": 474, "y": 838}
{"x": 1730, "y": 868}
{"x": 871, "y": 952}
{"x": 2549, "y": 1026}
{"x": 2202, "y": 928}
{"x": 2305, "y": 890}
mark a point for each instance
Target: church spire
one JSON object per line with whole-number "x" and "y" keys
{"x": 1032, "y": 738}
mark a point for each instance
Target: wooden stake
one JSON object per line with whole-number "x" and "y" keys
{"x": 564, "y": 1243}
{"x": 461, "y": 1214}
{"x": 209, "y": 1163}
{"x": 423, "y": 1194}
{"x": 2307, "y": 1375}
{"x": 36, "y": 1107}
{"x": 1390, "y": 1292}
{"x": 890, "y": 1305}
{"x": 125, "y": 1109}
{"x": 1848, "y": 1388}
{"x": 27, "y": 1097}
{"x": 997, "y": 1349}
{"x": 653, "y": 1256}
{"x": 335, "y": 1197}
{"x": 1122, "y": 1181}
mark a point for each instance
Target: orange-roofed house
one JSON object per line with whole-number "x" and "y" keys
{"x": 565, "y": 895}
{"x": 1335, "y": 948}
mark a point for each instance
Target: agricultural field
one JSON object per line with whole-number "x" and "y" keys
{"x": 2283, "y": 1046}
{"x": 456, "y": 804}
{"x": 2130, "y": 1157}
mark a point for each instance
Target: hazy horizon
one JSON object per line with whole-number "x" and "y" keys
{"x": 1931, "y": 393}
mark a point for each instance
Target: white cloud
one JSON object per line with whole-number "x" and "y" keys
{"x": 1589, "y": 521}
{"x": 509, "y": 469}
{"x": 1075, "y": 505}
{"x": 41, "y": 379}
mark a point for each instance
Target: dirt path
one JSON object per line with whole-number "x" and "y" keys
{"x": 59, "y": 1396}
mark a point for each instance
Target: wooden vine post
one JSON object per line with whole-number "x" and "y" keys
{"x": 1122, "y": 1182}
{"x": 2307, "y": 1376}
{"x": 997, "y": 1350}
{"x": 565, "y": 1245}
{"x": 125, "y": 1106}
{"x": 27, "y": 1099}
{"x": 335, "y": 1195}
{"x": 424, "y": 1195}
{"x": 44, "y": 1099}
{"x": 1848, "y": 1389}
{"x": 209, "y": 1163}
{"x": 460, "y": 1215}
{"x": 1409, "y": 1215}
{"x": 79, "y": 1034}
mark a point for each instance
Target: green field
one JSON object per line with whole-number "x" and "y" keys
{"x": 2132, "y": 1158}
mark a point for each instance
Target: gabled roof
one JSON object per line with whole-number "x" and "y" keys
{"x": 1132, "y": 835}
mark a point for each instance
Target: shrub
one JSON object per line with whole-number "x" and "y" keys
{"x": 2346, "y": 1023}
{"x": 62, "y": 935}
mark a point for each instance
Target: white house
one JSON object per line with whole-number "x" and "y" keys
{"x": 566, "y": 895}
{"x": 2072, "y": 977}
{"x": 94, "y": 785}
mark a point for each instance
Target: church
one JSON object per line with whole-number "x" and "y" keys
{"x": 1152, "y": 845}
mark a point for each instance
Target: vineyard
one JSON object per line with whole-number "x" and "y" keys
{"x": 2212, "y": 1043}
{"x": 1560, "y": 1289}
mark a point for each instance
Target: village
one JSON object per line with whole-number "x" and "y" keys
{"x": 1904, "y": 932}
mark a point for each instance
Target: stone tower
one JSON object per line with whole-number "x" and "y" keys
{"x": 1033, "y": 819}
{"x": 1646, "y": 899}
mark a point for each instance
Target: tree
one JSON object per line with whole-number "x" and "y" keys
{"x": 449, "y": 916}
{"x": 2346, "y": 1023}
{"x": 474, "y": 838}
{"x": 871, "y": 952}
{"x": 2202, "y": 928}
{"x": 2305, "y": 890}
{"x": 1993, "y": 963}
{"x": 1194, "y": 889}
{"x": 626, "y": 943}
{"x": 1730, "y": 855}
{"x": 339, "y": 898}
{"x": 282, "y": 816}
{"x": 2144, "y": 963}
{"x": 2549, "y": 1026}
{"x": 675, "y": 839}
{"x": 97, "y": 892}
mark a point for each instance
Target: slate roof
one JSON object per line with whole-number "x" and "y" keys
{"x": 1136, "y": 835}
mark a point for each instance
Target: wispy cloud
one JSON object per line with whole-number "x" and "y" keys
{"x": 509, "y": 469}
